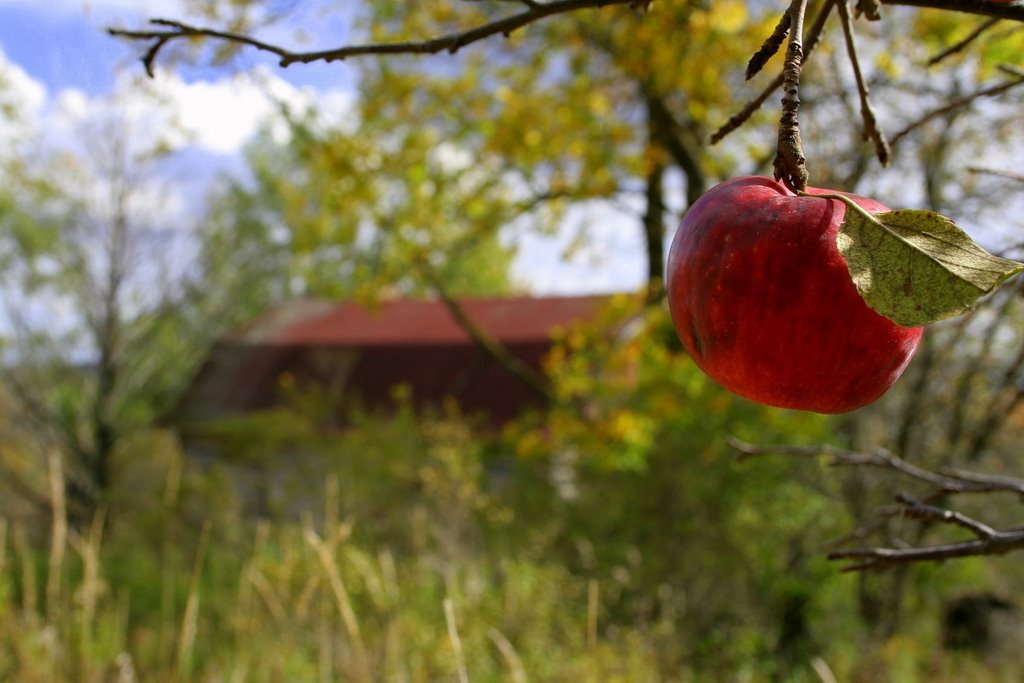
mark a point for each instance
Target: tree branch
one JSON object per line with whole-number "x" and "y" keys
{"x": 981, "y": 7}
{"x": 483, "y": 339}
{"x": 959, "y": 46}
{"x": 998, "y": 543}
{"x": 945, "y": 481}
{"x": 171, "y": 30}
{"x": 1009, "y": 175}
{"x": 987, "y": 541}
{"x": 867, "y": 112}
{"x": 770, "y": 47}
{"x": 960, "y": 103}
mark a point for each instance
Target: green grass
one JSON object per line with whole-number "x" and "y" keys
{"x": 173, "y": 591}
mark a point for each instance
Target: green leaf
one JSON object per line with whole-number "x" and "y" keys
{"x": 917, "y": 267}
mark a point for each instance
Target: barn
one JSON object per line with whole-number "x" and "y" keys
{"x": 361, "y": 353}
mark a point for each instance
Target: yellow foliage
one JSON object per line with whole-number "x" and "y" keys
{"x": 729, "y": 16}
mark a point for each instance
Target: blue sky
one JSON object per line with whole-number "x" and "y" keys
{"x": 60, "y": 50}
{"x": 66, "y": 67}
{"x": 63, "y": 43}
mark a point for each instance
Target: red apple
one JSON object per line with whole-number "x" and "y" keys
{"x": 763, "y": 302}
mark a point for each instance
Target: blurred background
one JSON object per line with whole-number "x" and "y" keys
{"x": 360, "y": 371}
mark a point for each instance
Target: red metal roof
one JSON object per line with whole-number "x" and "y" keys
{"x": 368, "y": 351}
{"x": 415, "y": 322}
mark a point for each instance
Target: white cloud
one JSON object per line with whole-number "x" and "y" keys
{"x": 224, "y": 114}
{"x": 208, "y": 121}
{"x": 21, "y": 100}
{"x": 218, "y": 116}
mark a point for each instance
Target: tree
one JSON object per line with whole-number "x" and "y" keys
{"x": 104, "y": 322}
{"x": 368, "y": 210}
{"x": 615, "y": 51}
{"x": 622, "y": 98}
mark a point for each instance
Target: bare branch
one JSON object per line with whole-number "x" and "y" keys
{"x": 946, "y": 481}
{"x": 867, "y": 112}
{"x": 814, "y": 33}
{"x": 880, "y": 558}
{"x": 959, "y": 103}
{"x": 987, "y": 482}
{"x": 988, "y": 541}
{"x": 980, "y": 7}
{"x": 170, "y": 30}
{"x": 959, "y": 46}
{"x": 1010, "y": 175}
{"x": 916, "y": 509}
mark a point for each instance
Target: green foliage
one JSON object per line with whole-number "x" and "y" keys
{"x": 565, "y": 105}
{"x": 690, "y": 568}
{"x": 103, "y": 328}
{"x": 936, "y": 30}
{"x": 575, "y": 545}
{"x": 614, "y": 538}
{"x": 382, "y": 207}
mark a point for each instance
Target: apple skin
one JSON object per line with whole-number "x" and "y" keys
{"x": 763, "y": 302}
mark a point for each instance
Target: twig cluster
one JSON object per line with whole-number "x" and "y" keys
{"x": 945, "y": 482}
{"x": 789, "y": 161}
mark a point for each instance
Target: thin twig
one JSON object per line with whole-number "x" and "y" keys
{"x": 173, "y": 30}
{"x": 1009, "y": 175}
{"x": 770, "y": 47}
{"x": 961, "y": 45}
{"x": 880, "y": 558}
{"x": 946, "y": 481}
{"x": 867, "y": 112}
{"x": 957, "y": 104}
{"x": 915, "y": 509}
{"x": 987, "y": 482}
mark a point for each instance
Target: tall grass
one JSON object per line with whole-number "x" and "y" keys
{"x": 308, "y": 600}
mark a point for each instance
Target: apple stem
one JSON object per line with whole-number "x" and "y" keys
{"x": 790, "y": 164}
